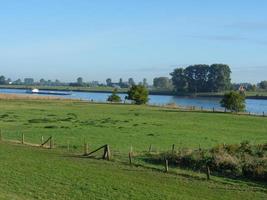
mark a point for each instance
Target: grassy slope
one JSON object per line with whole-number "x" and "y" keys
{"x": 54, "y": 175}
{"x": 31, "y": 173}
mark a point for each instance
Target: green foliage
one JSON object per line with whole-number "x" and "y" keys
{"x": 242, "y": 160}
{"x": 162, "y": 82}
{"x": 234, "y": 101}
{"x": 138, "y": 94}
{"x": 114, "y": 97}
{"x": 263, "y": 85}
{"x": 202, "y": 78}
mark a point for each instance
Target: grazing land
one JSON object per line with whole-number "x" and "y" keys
{"x": 35, "y": 173}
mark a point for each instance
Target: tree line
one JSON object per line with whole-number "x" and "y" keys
{"x": 182, "y": 80}
{"x": 202, "y": 78}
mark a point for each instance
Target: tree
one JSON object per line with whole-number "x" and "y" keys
{"x": 42, "y": 81}
{"x": 57, "y": 82}
{"x": 2, "y": 80}
{"x": 162, "y": 82}
{"x": 145, "y": 82}
{"x": 202, "y": 78}
{"x": 114, "y": 97}
{"x": 120, "y": 82}
{"x": 28, "y": 81}
{"x": 197, "y": 78}
{"x": 109, "y": 82}
{"x": 80, "y": 81}
{"x": 179, "y": 80}
{"x": 234, "y": 101}
{"x": 138, "y": 94}
{"x": 219, "y": 78}
{"x": 131, "y": 81}
{"x": 263, "y": 85}
{"x": 18, "y": 82}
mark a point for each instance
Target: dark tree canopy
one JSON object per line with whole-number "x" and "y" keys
{"x": 219, "y": 77}
{"x": 28, "y": 81}
{"x": 202, "y": 78}
{"x": 109, "y": 82}
{"x": 263, "y": 85}
{"x": 80, "y": 81}
{"x": 138, "y": 94}
{"x": 234, "y": 101}
{"x": 131, "y": 81}
{"x": 2, "y": 80}
{"x": 179, "y": 80}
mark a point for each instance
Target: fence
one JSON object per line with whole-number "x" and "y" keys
{"x": 49, "y": 144}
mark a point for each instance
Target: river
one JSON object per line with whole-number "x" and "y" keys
{"x": 256, "y": 106}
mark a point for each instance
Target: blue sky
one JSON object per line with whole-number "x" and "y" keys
{"x": 97, "y": 39}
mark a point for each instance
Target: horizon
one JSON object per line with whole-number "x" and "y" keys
{"x": 121, "y": 39}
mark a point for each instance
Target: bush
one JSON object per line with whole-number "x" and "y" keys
{"x": 233, "y": 101}
{"x": 114, "y": 97}
{"x": 138, "y": 94}
{"x": 244, "y": 160}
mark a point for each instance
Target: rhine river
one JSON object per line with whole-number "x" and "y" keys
{"x": 257, "y": 106}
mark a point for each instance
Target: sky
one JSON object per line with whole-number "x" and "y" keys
{"x": 99, "y": 39}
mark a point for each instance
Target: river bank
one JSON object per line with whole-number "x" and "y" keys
{"x": 249, "y": 95}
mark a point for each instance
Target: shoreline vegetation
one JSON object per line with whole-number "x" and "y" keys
{"x": 249, "y": 95}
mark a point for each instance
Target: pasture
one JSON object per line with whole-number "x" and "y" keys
{"x": 35, "y": 173}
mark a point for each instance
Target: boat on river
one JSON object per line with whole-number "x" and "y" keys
{"x": 47, "y": 92}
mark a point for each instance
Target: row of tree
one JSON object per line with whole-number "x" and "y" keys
{"x": 202, "y": 78}
{"x": 125, "y": 84}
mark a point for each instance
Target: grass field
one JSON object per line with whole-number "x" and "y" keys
{"x": 34, "y": 173}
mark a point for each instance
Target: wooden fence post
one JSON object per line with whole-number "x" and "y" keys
{"x": 108, "y": 152}
{"x": 208, "y": 172}
{"x": 42, "y": 139}
{"x": 22, "y": 138}
{"x": 166, "y": 165}
{"x": 173, "y": 146}
{"x": 213, "y": 109}
{"x": 130, "y": 158}
{"x": 150, "y": 148}
{"x": 51, "y": 143}
{"x": 86, "y": 148}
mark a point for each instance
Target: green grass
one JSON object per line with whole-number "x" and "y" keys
{"x": 56, "y": 174}
{"x": 32, "y": 173}
{"x": 122, "y": 126}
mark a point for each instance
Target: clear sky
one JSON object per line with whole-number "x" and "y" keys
{"x": 97, "y": 39}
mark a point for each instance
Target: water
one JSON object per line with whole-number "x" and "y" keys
{"x": 257, "y": 106}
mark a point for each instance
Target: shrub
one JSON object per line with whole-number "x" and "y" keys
{"x": 138, "y": 94}
{"x": 244, "y": 160}
{"x": 114, "y": 97}
{"x": 234, "y": 101}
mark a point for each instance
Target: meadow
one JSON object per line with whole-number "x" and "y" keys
{"x": 35, "y": 173}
